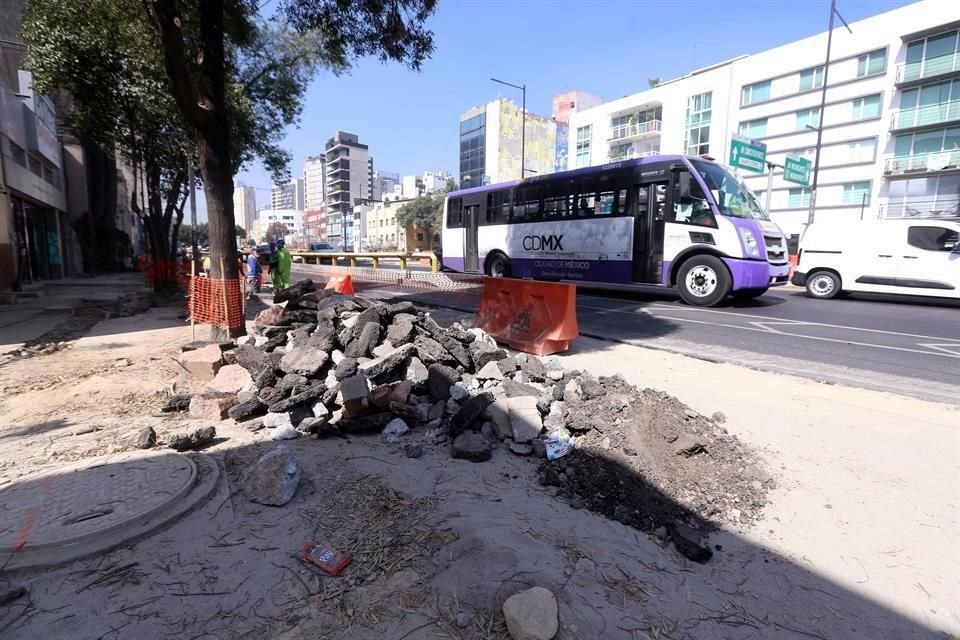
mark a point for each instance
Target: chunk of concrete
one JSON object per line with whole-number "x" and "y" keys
{"x": 273, "y": 480}
{"x": 230, "y": 379}
{"x": 204, "y": 363}
{"x": 212, "y": 405}
{"x": 525, "y": 421}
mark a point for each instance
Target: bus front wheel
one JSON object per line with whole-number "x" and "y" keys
{"x": 703, "y": 281}
{"x": 498, "y": 266}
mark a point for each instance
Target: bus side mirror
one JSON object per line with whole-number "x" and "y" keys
{"x": 683, "y": 180}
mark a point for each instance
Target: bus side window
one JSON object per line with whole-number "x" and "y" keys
{"x": 613, "y": 202}
{"x": 455, "y": 213}
{"x": 526, "y": 204}
{"x": 660, "y": 201}
{"x": 643, "y": 201}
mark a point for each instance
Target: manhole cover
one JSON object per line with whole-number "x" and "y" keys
{"x": 94, "y": 505}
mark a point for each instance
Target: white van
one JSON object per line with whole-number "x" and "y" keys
{"x": 918, "y": 257}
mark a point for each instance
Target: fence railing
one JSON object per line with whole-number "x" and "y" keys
{"x": 927, "y": 115}
{"x": 928, "y": 68}
{"x": 923, "y": 162}
{"x": 623, "y": 131}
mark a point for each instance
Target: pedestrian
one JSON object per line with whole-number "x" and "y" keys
{"x": 254, "y": 273}
{"x": 284, "y": 262}
{"x": 206, "y": 266}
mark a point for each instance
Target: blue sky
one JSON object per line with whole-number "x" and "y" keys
{"x": 606, "y": 47}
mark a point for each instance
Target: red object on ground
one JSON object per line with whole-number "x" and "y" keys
{"x": 536, "y": 317}
{"x": 341, "y": 284}
{"x": 324, "y": 556}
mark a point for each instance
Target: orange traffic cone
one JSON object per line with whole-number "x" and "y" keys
{"x": 341, "y": 284}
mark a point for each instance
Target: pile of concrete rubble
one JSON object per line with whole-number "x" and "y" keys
{"x": 324, "y": 365}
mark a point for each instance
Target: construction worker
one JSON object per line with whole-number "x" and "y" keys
{"x": 283, "y": 262}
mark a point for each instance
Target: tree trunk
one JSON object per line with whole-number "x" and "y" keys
{"x": 215, "y": 167}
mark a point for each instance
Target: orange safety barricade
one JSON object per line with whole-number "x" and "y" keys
{"x": 217, "y": 302}
{"x": 341, "y": 284}
{"x": 530, "y": 316}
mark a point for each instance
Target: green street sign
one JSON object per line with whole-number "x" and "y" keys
{"x": 747, "y": 154}
{"x": 797, "y": 170}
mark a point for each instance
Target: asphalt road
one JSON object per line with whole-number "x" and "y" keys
{"x": 891, "y": 343}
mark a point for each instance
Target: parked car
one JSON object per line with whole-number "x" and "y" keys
{"x": 918, "y": 257}
{"x": 323, "y": 247}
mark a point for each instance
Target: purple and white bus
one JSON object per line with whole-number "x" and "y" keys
{"x": 660, "y": 221}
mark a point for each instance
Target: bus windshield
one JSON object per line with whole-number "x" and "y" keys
{"x": 732, "y": 197}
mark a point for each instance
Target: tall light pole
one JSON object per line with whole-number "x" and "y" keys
{"x": 523, "y": 132}
{"x": 823, "y": 104}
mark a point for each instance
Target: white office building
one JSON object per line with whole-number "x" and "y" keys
{"x": 314, "y": 182}
{"x": 291, "y": 219}
{"x": 245, "y": 207}
{"x": 891, "y": 123}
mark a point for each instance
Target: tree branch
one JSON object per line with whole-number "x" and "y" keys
{"x": 164, "y": 13}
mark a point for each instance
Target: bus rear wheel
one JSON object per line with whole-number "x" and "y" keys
{"x": 498, "y": 266}
{"x": 703, "y": 281}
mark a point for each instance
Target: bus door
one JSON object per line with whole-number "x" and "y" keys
{"x": 648, "y": 228}
{"x": 471, "y": 221}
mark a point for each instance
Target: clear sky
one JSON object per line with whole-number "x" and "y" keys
{"x": 609, "y": 48}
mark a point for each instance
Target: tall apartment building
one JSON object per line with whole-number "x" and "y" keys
{"x": 349, "y": 175}
{"x": 569, "y": 102}
{"x": 384, "y": 183}
{"x": 315, "y": 196}
{"x": 891, "y": 124}
{"x": 288, "y": 195}
{"x": 491, "y": 143}
{"x": 245, "y": 207}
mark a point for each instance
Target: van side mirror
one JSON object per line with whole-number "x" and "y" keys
{"x": 683, "y": 181}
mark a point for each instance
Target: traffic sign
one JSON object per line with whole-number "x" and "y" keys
{"x": 747, "y": 154}
{"x": 797, "y": 170}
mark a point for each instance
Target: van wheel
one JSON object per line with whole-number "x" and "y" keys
{"x": 749, "y": 294}
{"x": 498, "y": 266}
{"x": 823, "y": 285}
{"x": 703, "y": 281}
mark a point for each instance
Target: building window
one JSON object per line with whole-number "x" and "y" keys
{"x": 583, "y": 145}
{"x": 754, "y": 93}
{"x": 856, "y": 193}
{"x": 473, "y": 133}
{"x": 19, "y": 155}
{"x": 808, "y": 118}
{"x": 754, "y": 128}
{"x": 811, "y": 79}
{"x": 933, "y": 56}
{"x": 862, "y": 150}
{"x": 798, "y": 198}
{"x": 872, "y": 63}
{"x": 865, "y": 108}
{"x": 36, "y": 167}
{"x": 699, "y": 115}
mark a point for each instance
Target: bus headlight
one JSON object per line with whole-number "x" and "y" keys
{"x": 750, "y": 243}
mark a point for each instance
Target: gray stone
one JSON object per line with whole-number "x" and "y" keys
{"x": 324, "y": 337}
{"x": 365, "y": 341}
{"x": 381, "y": 368}
{"x": 372, "y": 423}
{"x": 355, "y": 396}
{"x": 394, "y": 430}
{"x": 508, "y": 365}
{"x": 430, "y": 351}
{"x": 250, "y": 358}
{"x": 688, "y": 445}
{"x": 539, "y": 448}
{"x": 383, "y": 349}
{"x": 304, "y": 360}
{"x": 590, "y": 389}
{"x": 294, "y": 291}
{"x": 499, "y": 414}
{"x": 416, "y": 371}
{"x": 177, "y": 403}
{"x": 274, "y": 420}
{"x": 307, "y": 396}
{"x": 247, "y": 410}
{"x": 571, "y": 391}
{"x": 524, "y": 418}
{"x": 367, "y": 316}
{"x": 346, "y": 369}
{"x": 274, "y": 478}
{"x": 472, "y": 446}
{"x": 555, "y": 374}
{"x": 718, "y": 417}
{"x": 490, "y": 371}
{"x": 458, "y": 333}
{"x": 265, "y": 377}
{"x": 401, "y": 307}
{"x": 464, "y": 619}
{"x": 292, "y": 382}
{"x": 400, "y": 333}
{"x": 195, "y": 439}
{"x": 413, "y": 450}
{"x": 203, "y": 363}
{"x": 488, "y": 432}
{"x": 534, "y": 369}
{"x": 482, "y": 353}
{"x": 469, "y": 412}
{"x": 146, "y": 439}
{"x": 436, "y": 411}
{"x": 521, "y": 448}
{"x": 514, "y": 389}
{"x": 689, "y": 542}
{"x": 439, "y": 380}
{"x": 558, "y": 392}
{"x": 458, "y": 392}
{"x": 532, "y": 615}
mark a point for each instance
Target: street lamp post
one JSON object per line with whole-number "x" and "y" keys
{"x": 523, "y": 132}
{"x": 823, "y": 104}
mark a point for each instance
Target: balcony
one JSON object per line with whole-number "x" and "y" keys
{"x": 943, "y": 206}
{"x": 631, "y": 155}
{"x": 931, "y": 115}
{"x": 638, "y": 130}
{"x": 910, "y": 73}
{"x": 907, "y": 166}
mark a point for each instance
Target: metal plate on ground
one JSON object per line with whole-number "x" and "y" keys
{"x": 94, "y": 505}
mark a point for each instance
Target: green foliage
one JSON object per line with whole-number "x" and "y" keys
{"x": 426, "y": 212}
{"x": 203, "y": 234}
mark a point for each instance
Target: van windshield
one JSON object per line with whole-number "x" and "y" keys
{"x": 732, "y": 196}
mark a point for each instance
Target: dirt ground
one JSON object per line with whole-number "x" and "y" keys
{"x": 858, "y": 540}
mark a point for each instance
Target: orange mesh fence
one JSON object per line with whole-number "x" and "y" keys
{"x": 217, "y": 302}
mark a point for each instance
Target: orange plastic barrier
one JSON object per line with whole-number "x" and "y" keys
{"x": 341, "y": 284}
{"x": 530, "y": 316}
{"x": 217, "y": 302}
